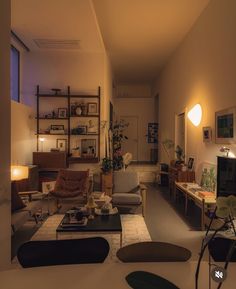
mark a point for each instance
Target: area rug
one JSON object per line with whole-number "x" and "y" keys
{"x": 134, "y": 230}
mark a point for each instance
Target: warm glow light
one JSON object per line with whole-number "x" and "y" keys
{"x": 195, "y": 114}
{"x": 19, "y": 173}
{"x": 42, "y": 140}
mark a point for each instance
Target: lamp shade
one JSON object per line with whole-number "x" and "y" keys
{"x": 19, "y": 173}
{"x": 195, "y": 114}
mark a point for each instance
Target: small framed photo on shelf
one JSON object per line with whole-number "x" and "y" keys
{"x": 92, "y": 108}
{"x": 88, "y": 148}
{"x": 62, "y": 112}
{"x": 207, "y": 134}
{"x": 190, "y": 163}
{"x": 57, "y": 127}
{"x": 62, "y": 144}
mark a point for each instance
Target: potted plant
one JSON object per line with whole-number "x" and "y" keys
{"x": 179, "y": 154}
{"x": 107, "y": 165}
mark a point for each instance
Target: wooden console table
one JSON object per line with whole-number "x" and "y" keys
{"x": 190, "y": 194}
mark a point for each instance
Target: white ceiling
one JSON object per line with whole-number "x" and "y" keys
{"x": 139, "y": 35}
{"x": 56, "y": 20}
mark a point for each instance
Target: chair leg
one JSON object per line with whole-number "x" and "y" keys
{"x": 35, "y": 218}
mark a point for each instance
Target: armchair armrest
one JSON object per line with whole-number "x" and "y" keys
{"x": 143, "y": 190}
{"x": 143, "y": 187}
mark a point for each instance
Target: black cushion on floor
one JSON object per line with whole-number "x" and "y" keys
{"x": 146, "y": 280}
{"x": 219, "y": 248}
{"x": 62, "y": 252}
{"x": 153, "y": 252}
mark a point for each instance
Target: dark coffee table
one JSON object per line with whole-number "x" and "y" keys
{"x": 104, "y": 224}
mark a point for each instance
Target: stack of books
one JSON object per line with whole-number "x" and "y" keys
{"x": 206, "y": 195}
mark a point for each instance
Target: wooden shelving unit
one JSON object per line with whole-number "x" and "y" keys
{"x": 69, "y": 119}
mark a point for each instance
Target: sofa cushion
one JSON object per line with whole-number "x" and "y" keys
{"x": 16, "y": 201}
{"x": 126, "y": 199}
{"x": 125, "y": 182}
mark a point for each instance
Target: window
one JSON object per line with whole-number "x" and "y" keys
{"x": 15, "y": 74}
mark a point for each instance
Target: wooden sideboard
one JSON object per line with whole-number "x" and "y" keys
{"x": 193, "y": 194}
{"x": 50, "y": 160}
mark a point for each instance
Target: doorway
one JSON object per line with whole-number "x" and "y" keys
{"x": 131, "y": 144}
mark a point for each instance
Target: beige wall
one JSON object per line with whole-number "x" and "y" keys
{"x": 5, "y": 130}
{"x": 84, "y": 72}
{"x": 23, "y": 139}
{"x": 133, "y": 90}
{"x": 49, "y": 69}
{"x": 202, "y": 70}
{"x": 144, "y": 109}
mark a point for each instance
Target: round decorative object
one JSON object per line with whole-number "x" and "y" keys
{"x": 56, "y": 90}
{"x": 78, "y": 110}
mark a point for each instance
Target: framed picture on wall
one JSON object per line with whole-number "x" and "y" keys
{"x": 152, "y": 132}
{"x": 226, "y": 126}
{"x": 207, "y": 134}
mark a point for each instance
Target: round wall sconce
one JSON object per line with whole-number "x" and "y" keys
{"x": 195, "y": 114}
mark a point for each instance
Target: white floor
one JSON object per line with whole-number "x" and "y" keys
{"x": 167, "y": 225}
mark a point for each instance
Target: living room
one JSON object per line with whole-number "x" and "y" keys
{"x": 198, "y": 69}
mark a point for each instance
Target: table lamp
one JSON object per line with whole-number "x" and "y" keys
{"x": 19, "y": 173}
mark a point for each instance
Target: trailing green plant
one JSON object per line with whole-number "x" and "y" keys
{"x": 118, "y": 137}
{"x": 168, "y": 144}
{"x": 179, "y": 154}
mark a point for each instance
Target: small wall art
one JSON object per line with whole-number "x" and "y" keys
{"x": 207, "y": 134}
{"x": 190, "y": 163}
{"x": 152, "y": 132}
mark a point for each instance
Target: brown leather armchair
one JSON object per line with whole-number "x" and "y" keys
{"x": 71, "y": 186}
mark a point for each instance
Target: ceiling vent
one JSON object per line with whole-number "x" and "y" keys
{"x": 57, "y": 44}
